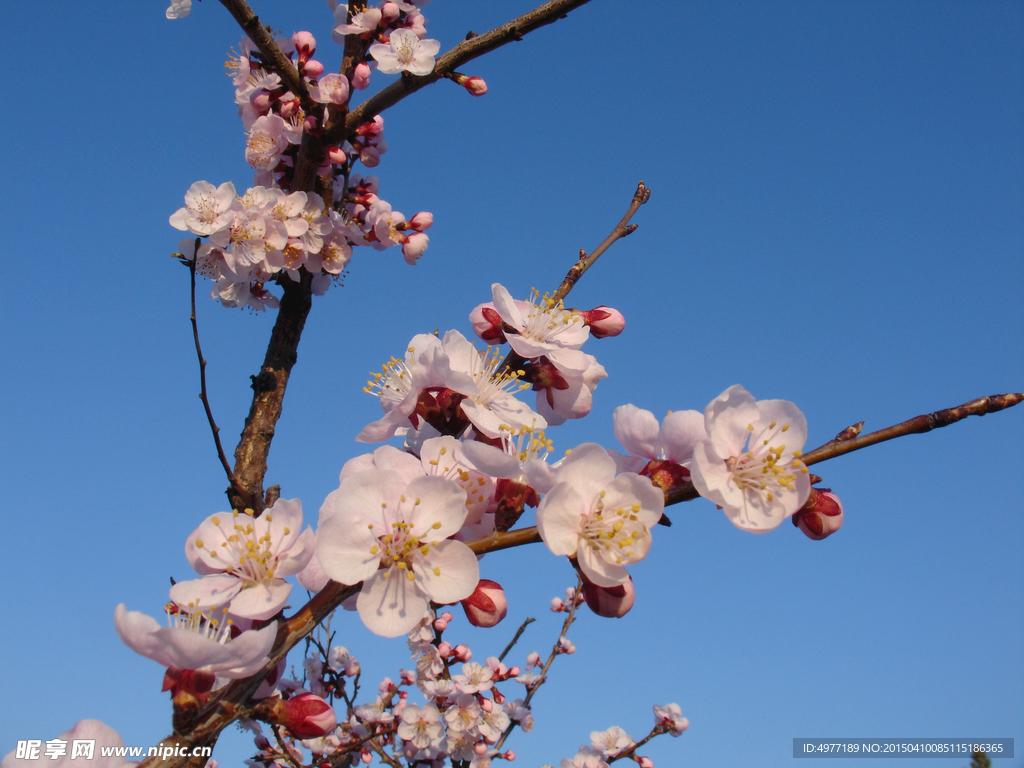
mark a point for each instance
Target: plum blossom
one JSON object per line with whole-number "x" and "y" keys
{"x": 243, "y": 560}
{"x": 196, "y": 641}
{"x": 421, "y": 725}
{"x": 585, "y": 758}
{"x": 266, "y": 142}
{"x": 392, "y": 535}
{"x": 750, "y": 466}
{"x": 405, "y": 52}
{"x": 671, "y": 716}
{"x": 610, "y": 742}
{"x": 640, "y": 434}
{"x": 603, "y": 520}
{"x": 207, "y": 209}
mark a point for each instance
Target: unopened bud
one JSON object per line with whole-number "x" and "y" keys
{"x": 446, "y": 616}
{"x": 440, "y": 625}
{"x": 421, "y": 221}
{"x": 444, "y": 649}
{"x": 487, "y": 323}
{"x": 373, "y": 129}
{"x": 305, "y": 45}
{"x": 645, "y": 762}
{"x": 311, "y": 125}
{"x": 388, "y": 13}
{"x": 462, "y": 653}
{"x": 361, "y": 76}
{"x": 821, "y": 515}
{"x": 313, "y": 69}
{"x": 475, "y": 85}
{"x": 604, "y": 321}
{"x": 610, "y": 602}
{"x": 337, "y": 155}
{"x": 480, "y": 748}
{"x": 487, "y": 605}
{"x": 509, "y": 755}
{"x": 289, "y": 108}
{"x": 486, "y": 704}
{"x": 306, "y": 716}
{"x": 260, "y": 101}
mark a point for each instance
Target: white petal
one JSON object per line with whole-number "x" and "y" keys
{"x": 390, "y": 606}
{"x": 457, "y": 576}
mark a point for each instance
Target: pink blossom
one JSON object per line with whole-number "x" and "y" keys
{"x": 330, "y": 89}
{"x": 671, "y": 716}
{"x": 750, "y": 465}
{"x": 206, "y": 209}
{"x": 405, "y": 52}
{"x": 266, "y": 142}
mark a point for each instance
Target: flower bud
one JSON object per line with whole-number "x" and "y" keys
{"x": 361, "y": 76}
{"x": 260, "y": 101}
{"x": 373, "y": 129}
{"x": 444, "y": 649}
{"x": 369, "y": 156}
{"x": 610, "y": 602}
{"x": 337, "y": 155}
{"x": 421, "y": 221}
{"x": 289, "y": 108}
{"x": 487, "y": 605}
{"x": 305, "y": 45}
{"x": 487, "y": 323}
{"x": 645, "y": 762}
{"x": 821, "y": 516}
{"x": 306, "y": 716}
{"x": 413, "y": 246}
{"x": 604, "y": 321}
{"x": 509, "y": 755}
{"x": 440, "y": 624}
{"x": 475, "y": 85}
{"x": 480, "y": 748}
{"x": 313, "y": 69}
{"x": 462, "y": 653}
{"x": 388, "y": 13}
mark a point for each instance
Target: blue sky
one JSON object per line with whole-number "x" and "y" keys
{"x": 836, "y": 220}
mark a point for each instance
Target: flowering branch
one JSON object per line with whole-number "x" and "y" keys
{"x": 273, "y": 57}
{"x": 923, "y": 423}
{"x": 473, "y": 47}
{"x": 577, "y": 599}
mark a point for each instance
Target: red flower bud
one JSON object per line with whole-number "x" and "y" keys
{"x": 610, "y": 602}
{"x": 821, "y": 516}
{"x": 306, "y": 716}
{"x": 604, "y": 321}
{"x": 487, "y": 605}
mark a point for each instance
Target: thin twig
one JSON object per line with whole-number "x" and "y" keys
{"x": 577, "y": 599}
{"x": 203, "y": 393}
{"x": 623, "y": 228}
{"x": 515, "y": 638}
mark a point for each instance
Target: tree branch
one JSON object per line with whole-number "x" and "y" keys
{"x": 917, "y": 425}
{"x": 273, "y": 57}
{"x": 203, "y": 394}
{"x": 465, "y": 51}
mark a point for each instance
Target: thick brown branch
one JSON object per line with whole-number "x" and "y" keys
{"x": 465, "y": 51}
{"x": 268, "y": 395}
{"x": 924, "y": 423}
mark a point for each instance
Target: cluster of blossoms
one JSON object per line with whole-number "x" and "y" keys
{"x": 268, "y": 234}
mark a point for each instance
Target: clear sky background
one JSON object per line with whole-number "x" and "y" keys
{"x": 836, "y": 220}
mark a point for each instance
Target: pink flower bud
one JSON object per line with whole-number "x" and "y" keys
{"x": 532, "y": 660}
{"x": 260, "y": 101}
{"x": 306, "y": 716}
{"x": 610, "y": 602}
{"x": 480, "y": 748}
{"x": 421, "y": 221}
{"x": 515, "y": 672}
{"x": 447, "y": 616}
{"x": 487, "y": 605}
{"x": 487, "y": 323}
{"x": 440, "y": 625}
{"x": 821, "y": 516}
{"x": 361, "y": 76}
{"x": 313, "y": 69}
{"x": 509, "y": 755}
{"x": 289, "y": 108}
{"x": 462, "y": 653}
{"x": 337, "y": 155}
{"x": 486, "y": 704}
{"x": 305, "y": 45}
{"x": 373, "y": 129}
{"x": 604, "y": 321}
{"x": 366, "y": 756}
{"x": 311, "y": 125}
{"x": 444, "y": 649}
{"x": 475, "y": 85}
{"x": 262, "y": 742}
{"x": 413, "y": 246}
{"x": 645, "y": 762}
{"x": 369, "y": 156}
{"x": 557, "y": 604}
{"x": 388, "y": 13}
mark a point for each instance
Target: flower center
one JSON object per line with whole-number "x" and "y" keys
{"x": 250, "y": 555}
{"x": 761, "y": 466}
{"x": 614, "y": 531}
